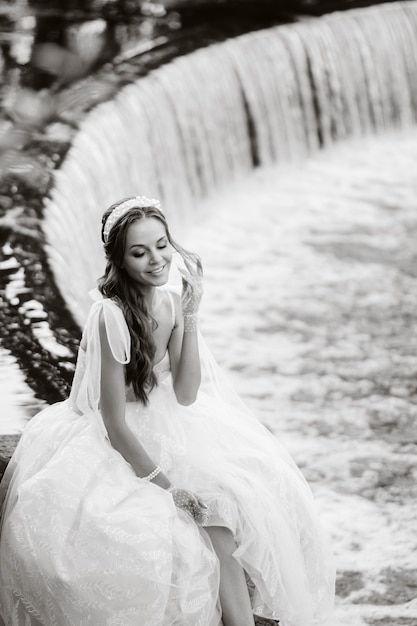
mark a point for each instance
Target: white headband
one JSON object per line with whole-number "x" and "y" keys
{"x": 124, "y": 207}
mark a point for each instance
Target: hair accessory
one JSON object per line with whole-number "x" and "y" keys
{"x": 124, "y": 207}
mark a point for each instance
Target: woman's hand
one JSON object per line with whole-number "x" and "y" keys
{"x": 190, "y": 503}
{"x": 192, "y": 288}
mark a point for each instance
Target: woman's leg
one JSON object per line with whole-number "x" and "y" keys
{"x": 234, "y": 595}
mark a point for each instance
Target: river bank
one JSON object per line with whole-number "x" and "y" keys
{"x": 8, "y": 444}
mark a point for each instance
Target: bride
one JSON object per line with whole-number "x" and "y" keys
{"x": 152, "y": 496}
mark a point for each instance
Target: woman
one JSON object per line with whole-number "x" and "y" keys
{"x": 144, "y": 499}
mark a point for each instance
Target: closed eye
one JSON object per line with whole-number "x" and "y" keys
{"x": 141, "y": 254}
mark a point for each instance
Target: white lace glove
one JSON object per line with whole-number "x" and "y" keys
{"x": 192, "y": 292}
{"x": 190, "y": 503}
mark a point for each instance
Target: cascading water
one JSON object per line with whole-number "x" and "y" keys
{"x": 204, "y": 119}
{"x": 311, "y": 282}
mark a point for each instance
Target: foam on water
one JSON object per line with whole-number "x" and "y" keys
{"x": 310, "y": 304}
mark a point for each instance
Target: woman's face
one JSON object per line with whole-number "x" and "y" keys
{"x": 148, "y": 253}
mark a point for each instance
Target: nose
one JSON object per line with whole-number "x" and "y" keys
{"x": 156, "y": 257}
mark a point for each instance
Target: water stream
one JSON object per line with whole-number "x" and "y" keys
{"x": 194, "y": 125}
{"x": 310, "y": 301}
{"x": 311, "y": 306}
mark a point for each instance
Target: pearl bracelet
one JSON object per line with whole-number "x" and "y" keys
{"x": 190, "y": 323}
{"x": 153, "y": 474}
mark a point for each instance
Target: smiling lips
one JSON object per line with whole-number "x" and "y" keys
{"x": 157, "y": 271}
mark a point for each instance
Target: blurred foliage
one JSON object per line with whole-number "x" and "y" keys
{"x": 46, "y": 46}
{"x": 59, "y": 40}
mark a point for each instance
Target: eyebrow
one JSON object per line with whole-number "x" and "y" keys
{"x": 141, "y": 245}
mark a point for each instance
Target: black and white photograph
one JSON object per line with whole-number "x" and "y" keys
{"x": 208, "y": 313}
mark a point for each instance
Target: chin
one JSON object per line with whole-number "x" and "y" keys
{"x": 160, "y": 280}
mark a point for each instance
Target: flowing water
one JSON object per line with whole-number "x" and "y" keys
{"x": 194, "y": 125}
{"x": 311, "y": 305}
{"x": 310, "y": 300}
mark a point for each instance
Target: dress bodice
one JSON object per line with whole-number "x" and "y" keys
{"x": 162, "y": 370}
{"x": 163, "y": 366}
{"x": 85, "y": 391}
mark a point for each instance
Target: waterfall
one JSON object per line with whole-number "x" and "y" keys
{"x": 204, "y": 119}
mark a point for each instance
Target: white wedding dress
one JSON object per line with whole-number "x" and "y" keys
{"x": 84, "y": 541}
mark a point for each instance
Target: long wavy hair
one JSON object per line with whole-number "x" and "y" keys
{"x": 120, "y": 287}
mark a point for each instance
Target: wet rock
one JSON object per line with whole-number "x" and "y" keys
{"x": 58, "y": 133}
{"x": 8, "y": 444}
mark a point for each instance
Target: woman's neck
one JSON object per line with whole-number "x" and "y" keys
{"x": 149, "y": 296}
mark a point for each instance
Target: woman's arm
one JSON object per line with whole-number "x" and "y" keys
{"x": 183, "y": 346}
{"x": 184, "y": 358}
{"x": 112, "y": 408}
